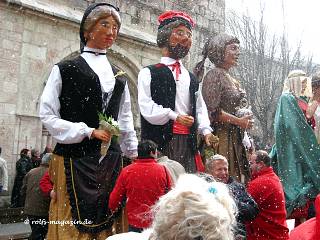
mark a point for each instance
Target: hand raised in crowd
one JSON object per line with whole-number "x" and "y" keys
{"x": 185, "y": 120}
{"x": 102, "y": 135}
{"x": 246, "y": 122}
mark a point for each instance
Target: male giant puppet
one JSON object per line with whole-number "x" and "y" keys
{"x": 76, "y": 91}
{"x": 170, "y": 102}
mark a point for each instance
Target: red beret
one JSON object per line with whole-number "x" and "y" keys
{"x": 171, "y": 16}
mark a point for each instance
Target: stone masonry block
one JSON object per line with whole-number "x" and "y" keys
{"x": 30, "y": 24}
{"x": 10, "y": 87}
{"x": 33, "y": 51}
{"x": 27, "y": 36}
{"x": 11, "y": 45}
{"x": 41, "y": 39}
{"x": 168, "y": 5}
{"x": 13, "y": 36}
{"x": 9, "y": 55}
{"x": 160, "y": 4}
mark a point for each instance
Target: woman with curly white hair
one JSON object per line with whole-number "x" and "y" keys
{"x": 193, "y": 210}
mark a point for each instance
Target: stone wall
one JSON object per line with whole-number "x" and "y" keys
{"x": 36, "y": 34}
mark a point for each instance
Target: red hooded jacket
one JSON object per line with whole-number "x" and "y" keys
{"x": 266, "y": 189}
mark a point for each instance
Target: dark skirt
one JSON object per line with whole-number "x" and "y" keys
{"x": 179, "y": 149}
{"x": 89, "y": 184}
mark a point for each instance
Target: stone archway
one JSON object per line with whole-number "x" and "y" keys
{"x": 131, "y": 70}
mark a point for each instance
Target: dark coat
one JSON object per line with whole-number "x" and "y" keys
{"x": 247, "y": 207}
{"x": 23, "y": 166}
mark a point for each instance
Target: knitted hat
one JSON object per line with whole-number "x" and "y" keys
{"x": 172, "y": 16}
{"x": 93, "y": 7}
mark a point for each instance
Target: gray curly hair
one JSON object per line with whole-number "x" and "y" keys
{"x": 194, "y": 209}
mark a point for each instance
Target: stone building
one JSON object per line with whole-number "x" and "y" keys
{"x": 36, "y": 34}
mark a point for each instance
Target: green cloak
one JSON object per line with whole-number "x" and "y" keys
{"x": 296, "y": 153}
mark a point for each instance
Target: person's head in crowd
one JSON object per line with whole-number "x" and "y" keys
{"x": 315, "y": 82}
{"x": 47, "y": 150}
{"x": 46, "y": 159}
{"x": 175, "y": 34}
{"x": 35, "y": 153}
{"x": 223, "y": 51}
{"x": 217, "y": 166}
{"x": 194, "y": 209}
{"x": 298, "y": 83}
{"x": 147, "y": 149}
{"x": 259, "y": 160}
{"x": 25, "y": 152}
{"x": 99, "y": 26}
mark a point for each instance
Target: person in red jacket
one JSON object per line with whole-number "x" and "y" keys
{"x": 46, "y": 186}
{"x": 266, "y": 189}
{"x": 309, "y": 230}
{"x": 142, "y": 183}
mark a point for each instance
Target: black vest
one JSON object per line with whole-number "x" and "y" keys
{"x": 163, "y": 92}
{"x": 81, "y": 100}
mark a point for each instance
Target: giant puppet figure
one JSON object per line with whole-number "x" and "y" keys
{"x": 227, "y": 103}
{"x": 171, "y": 105}
{"x": 296, "y": 152}
{"x": 76, "y": 91}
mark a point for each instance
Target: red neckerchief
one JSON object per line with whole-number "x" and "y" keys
{"x": 176, "y": 67}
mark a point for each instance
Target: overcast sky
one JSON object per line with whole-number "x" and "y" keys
{"x": 301, "y": 18}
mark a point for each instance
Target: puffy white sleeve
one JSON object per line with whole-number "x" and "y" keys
{"x": 63, "y": 131}
{"x": 128, "y": 138}
{"x": 151, "y": 111}
{"x": 202, "y": 114}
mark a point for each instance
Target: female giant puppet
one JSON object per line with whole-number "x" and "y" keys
{"x": 76, "y": 91}
{"x": 296, "y": 153}
{"x": 226, "y": 102}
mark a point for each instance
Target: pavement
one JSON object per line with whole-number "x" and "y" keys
{"x": 18, "y": 230}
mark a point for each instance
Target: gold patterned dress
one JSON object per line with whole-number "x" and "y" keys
{"x": 222, "y": 92}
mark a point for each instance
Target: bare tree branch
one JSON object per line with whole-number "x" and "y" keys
{"x": 264, "y": 64}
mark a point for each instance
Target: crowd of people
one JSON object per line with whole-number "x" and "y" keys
{"x": 170, "y": 189}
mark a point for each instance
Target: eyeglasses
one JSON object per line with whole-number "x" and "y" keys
{"x": 107, "y": 24}
{"x": 182, "y": 33}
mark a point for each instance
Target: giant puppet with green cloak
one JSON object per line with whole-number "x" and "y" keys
{"x": 296, "y": 152}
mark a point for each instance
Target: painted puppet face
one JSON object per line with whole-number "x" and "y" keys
{"x": 231, "y": 55}
{"x": 180, "y": 42}
{"x": 103, "y": 33}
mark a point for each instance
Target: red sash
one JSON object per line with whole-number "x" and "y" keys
{"x": 178, "y": 128}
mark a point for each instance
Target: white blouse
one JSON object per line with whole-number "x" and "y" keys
{"x": 67, "y": 132}
{"x": 157, "y": 114}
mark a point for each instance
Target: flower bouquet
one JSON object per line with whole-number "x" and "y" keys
{"x": 241, "y": 112}
{"x": 112, "y": 126}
